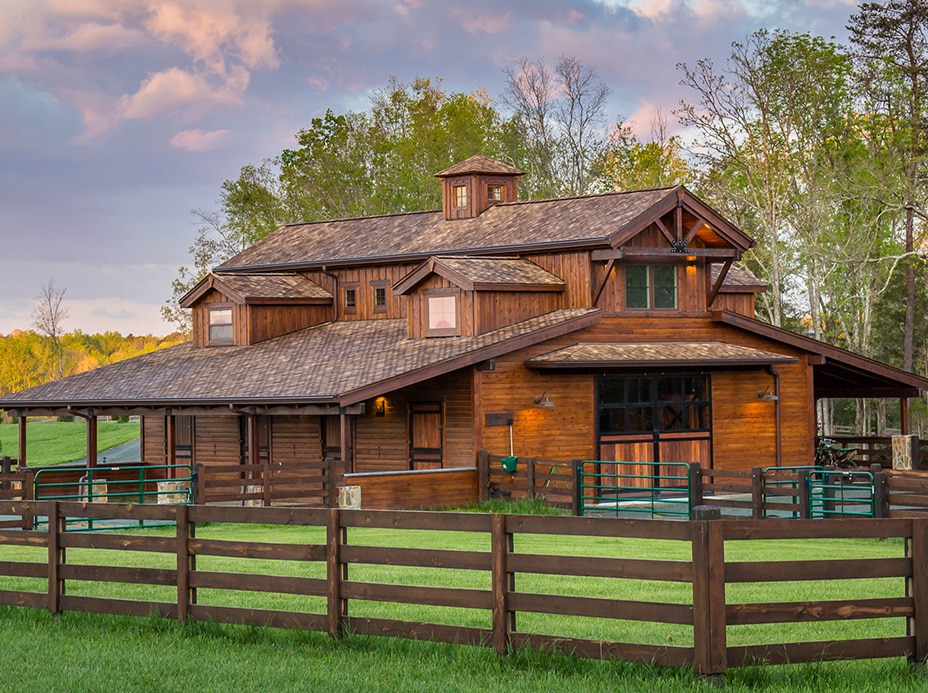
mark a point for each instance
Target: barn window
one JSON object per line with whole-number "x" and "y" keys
{"x": 645, "y": 404}
{"x": 442, "y": 315}
{"x": 220, "y": 324}
{"x": 351, "y": 300}
{"x": 651, "y": 286}
{"x": 460, "y": 196}
{"x": 495, "y": 193}
{"x": 380, "y": 299}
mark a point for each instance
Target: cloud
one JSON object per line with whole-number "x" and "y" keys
{"x": 164, "y": 92}
{"x": 198, "y": 140}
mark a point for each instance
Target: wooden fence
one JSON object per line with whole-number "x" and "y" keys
{"x": 507, "y": 552}
{"x": 551, "y": 481}
{"x": 307, "y": 483}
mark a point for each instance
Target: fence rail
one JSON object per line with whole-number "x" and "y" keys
{"x": 508, "y": 551}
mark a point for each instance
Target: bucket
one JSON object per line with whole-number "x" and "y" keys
{"x": 509, "y": 463}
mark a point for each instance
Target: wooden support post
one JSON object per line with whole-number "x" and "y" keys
{"x": 880, "y": 491}
{"x": 337, "y": 573}
{"x": 28, "y": 495}
{"x": 91, "y": 439}
{"x": 56, "y": 557}
{"x": 530, "y": 477}
{"x": 757, "y": 493}
{"x": 500, "y": 547}
{"x": 170, "y": 440}
{"x": 904, "y": 424}
{"x": 576, "y": 495}
{"x": 483, "y": 476}
{"x": 183, "y": 563}
{"x": 708, "y": 546}
{"x": 917, "y": 590}
{"x": 345, "y": 441}
{"x": 694, "y": 472}
{"x": 22, "y": 440}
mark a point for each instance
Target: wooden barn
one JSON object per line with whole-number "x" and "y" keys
{"x": 609, "y": 327}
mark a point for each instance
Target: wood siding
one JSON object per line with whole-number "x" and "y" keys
{"x": 218, "y": 440}
{"x": 364, "y": 280}
{"x": 153, "y": 441}
{"x": 267, "y": 321}
{"x": 741, "y": 303}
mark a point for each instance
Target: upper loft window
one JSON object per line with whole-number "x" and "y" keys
{"x": 442, "y": 315}
{"x": 460, "y": 196}
{"x": 220, "y": 324}
{"x": 495, "y": 193}
{"x": 651, "y": 286}
{"x": 351, "y": 299}
{"x": 380, "y": 299}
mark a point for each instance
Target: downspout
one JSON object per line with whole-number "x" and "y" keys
{"x": 776, "y": 391}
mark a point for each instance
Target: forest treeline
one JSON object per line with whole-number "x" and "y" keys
{"x": 28, "y": 358}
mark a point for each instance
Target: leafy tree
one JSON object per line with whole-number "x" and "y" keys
{"x": 891, "y": 69}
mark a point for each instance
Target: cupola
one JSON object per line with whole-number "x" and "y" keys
{"x": 473, "y": 186}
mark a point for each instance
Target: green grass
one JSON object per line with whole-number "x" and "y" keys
{"x": 54, "y": 442}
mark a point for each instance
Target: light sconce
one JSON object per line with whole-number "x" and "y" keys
{"x": 544, "y": 401}
{"x": 767, "y": 394}
{"x": 380, "y": 407}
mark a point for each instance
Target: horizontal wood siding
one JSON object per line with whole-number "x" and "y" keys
{"x": 153, "y": 442}
{"x": 217, "y": 440}
{"x": 296, "y": 440}
{"x": 419, "y": 490}
{"x": 382, "y": 442}
{"x": 268, "y": 321}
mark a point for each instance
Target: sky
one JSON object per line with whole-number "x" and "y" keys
{"x": 118, "y": 118}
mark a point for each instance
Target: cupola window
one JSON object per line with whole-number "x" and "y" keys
{"x": 460, "y": 196}
{"x": 495, "y": 193}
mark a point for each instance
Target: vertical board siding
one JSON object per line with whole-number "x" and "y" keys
{"x": 268, "y": 321}
{"x": 153, "y": 440}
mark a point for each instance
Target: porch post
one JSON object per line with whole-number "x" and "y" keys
{"x": 347, "y": 452}
{"x": 904, "y": 415}
{"x": 170, "y": 441}
{"x": 22, "y": 439}
{"x": 91, "y": 438}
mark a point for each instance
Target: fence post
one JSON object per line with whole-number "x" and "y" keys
{"x": 500, "y": 547}
{"x": 56, "y": 557}
{"x": 184, "y": 562}
{"x": 916, "y": 587}
{"x": 530, "y": 477}
{"x": 337, "y": 573}
{"x": 757, "y": 493}
{"x": 694, "y": 471}
{"x": 483, "y": 476}
{"x": 708, "y": 546}
{"x": 805, "y": 494}
{"x": 199, "y": 484}
{"x": 880, "y": 491}
{"x": 28, "y": 495}
{"x": 576, "y": 492}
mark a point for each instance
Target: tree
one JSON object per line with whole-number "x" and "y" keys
{"x": 48, "y": 316}
{"x": 560, "y": 112}
{"x": 891, "y": 61}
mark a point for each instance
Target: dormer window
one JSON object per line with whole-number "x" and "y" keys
{"x": 380, "y": 295}
{"x": 651, "y": 286}
{"x": 442, "y": 310}
{"x": 220, "y": 324}
{"x": 494, "y": 193}
{"x": 460, "y": 196}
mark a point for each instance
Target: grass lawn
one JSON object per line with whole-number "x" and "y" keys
{"x": 93, "y": 652}
{"x": 53, "y": 442}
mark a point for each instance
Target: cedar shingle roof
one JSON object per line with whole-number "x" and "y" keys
{"x": 560, "y": 223}
{"x": 342, "y": 362}
{"x": 479, "y": 164}
{"x": 288, "y": 287}
{"x": 484, "y": 273}
{"x": 657, "y": 354}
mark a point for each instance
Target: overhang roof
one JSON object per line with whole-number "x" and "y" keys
{"x": 738, "y": 280}
{"x": 656, "y": 355}
{"x": 340, "y": 363}
{"x": 597, "y": 221}
{"x": 269, "y": 288}
{"x": 836, "y": 372}
{"x": 480, "y": 164}
{"x": 483, "y": 274}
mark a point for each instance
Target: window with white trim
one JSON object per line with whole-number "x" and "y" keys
{"x": 220, "y": 325}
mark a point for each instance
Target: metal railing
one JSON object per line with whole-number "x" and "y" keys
{"x": 650, "y": 488}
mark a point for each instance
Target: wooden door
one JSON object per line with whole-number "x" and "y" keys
{"x": 426, "y": 425}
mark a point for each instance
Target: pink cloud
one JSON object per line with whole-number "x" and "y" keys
{"x": 198, "y": 140}
{"x": 170, "y": 89}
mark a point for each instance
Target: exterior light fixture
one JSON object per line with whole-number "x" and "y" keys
{"x": 767, "y": 395}
{"x": 544, "y": 401}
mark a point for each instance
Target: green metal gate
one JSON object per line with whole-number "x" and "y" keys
{"x": 635, "y": 488}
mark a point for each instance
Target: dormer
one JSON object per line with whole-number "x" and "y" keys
{"x": 466, "y": 296}
{"x": 473, "y": 186}
{"x": 242, "y": 309}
